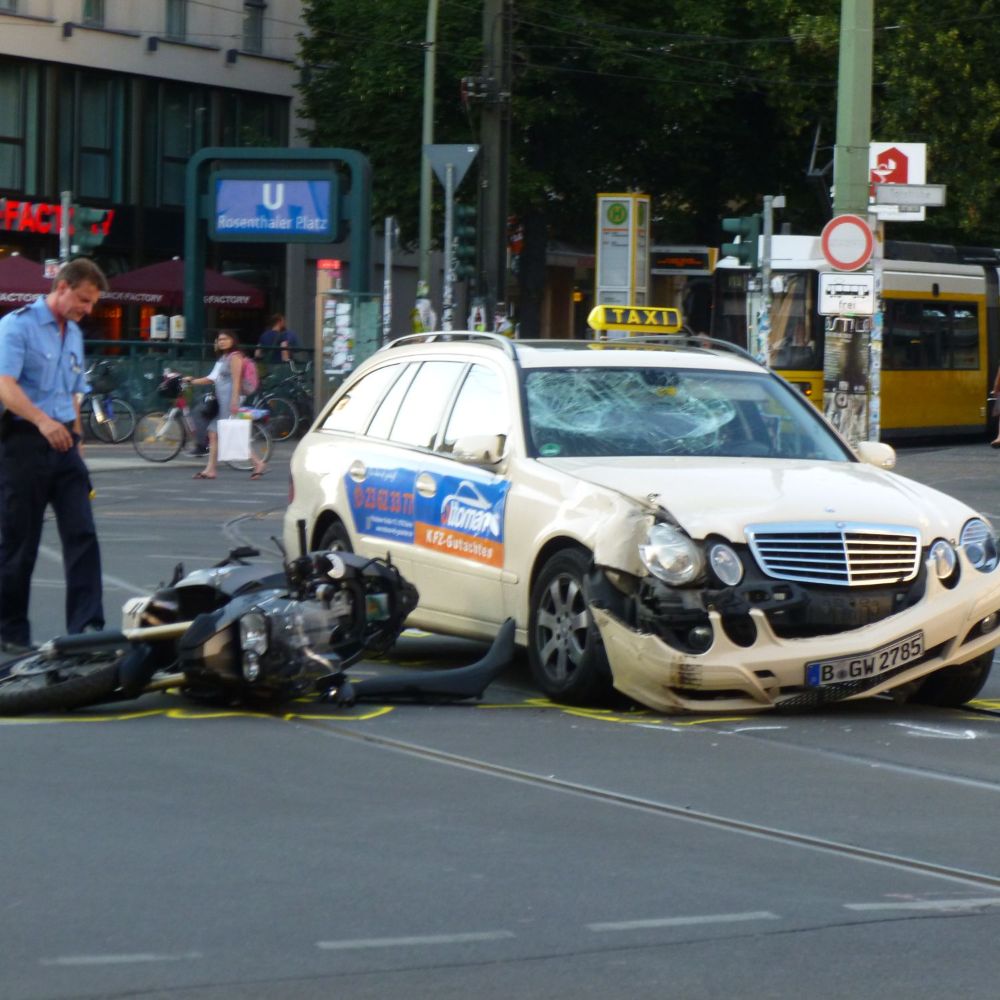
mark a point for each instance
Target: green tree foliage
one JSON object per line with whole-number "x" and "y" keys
{"x": 707, "y": 107}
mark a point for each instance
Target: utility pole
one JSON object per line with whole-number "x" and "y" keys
{"x": 426, "y": 177}
{"x": 854, "y": 108}
{"x": 853, "y": 344}
{"x": 495, "y": 153}
{"x": 65, "y": 210}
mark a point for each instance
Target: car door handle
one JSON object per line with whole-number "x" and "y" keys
{"x": 426, "y": 485}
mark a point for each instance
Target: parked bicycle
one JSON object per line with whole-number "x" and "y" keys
{"x": 283, "y": 417}
{"x": 161, "y": 434}
{"x": 289, "y": 401}
{"x": 104, "y": 415}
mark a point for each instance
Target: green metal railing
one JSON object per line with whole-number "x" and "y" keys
{"x": 139, "y": 365}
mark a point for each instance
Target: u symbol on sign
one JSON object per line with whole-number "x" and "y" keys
{"x": 274, "y": 196}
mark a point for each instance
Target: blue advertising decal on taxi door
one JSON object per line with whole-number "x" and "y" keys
{"x": 463, "y": 517}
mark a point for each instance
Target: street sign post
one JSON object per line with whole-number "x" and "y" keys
{"x": 450, "y": 163}
{"x": 846, "y": 295}
{"x": 917, "y": 195}
{"x": 847, "y": 242}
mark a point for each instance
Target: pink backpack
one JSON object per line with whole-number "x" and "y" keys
{"x": 249, "y": 376}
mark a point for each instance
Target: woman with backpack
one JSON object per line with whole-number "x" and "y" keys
{"x": 233, "y": 376}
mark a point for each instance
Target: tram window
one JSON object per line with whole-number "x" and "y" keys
{"x": 794, "y": 345}
{"x": 930, "y": 335}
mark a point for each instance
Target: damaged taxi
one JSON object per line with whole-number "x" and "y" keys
{"x": 671, "y": 519}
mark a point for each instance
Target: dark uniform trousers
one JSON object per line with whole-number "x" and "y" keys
{"x": 32, "y": 476}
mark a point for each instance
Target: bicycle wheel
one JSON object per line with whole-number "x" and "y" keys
{"x": 283, "y": 417}
{"x": 304, "y": 408}
{"x": 158, "y": 436}
{"x": 118, "y": 423}
{"x": 260, "y": 446}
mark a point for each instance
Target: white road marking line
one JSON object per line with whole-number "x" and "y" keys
{"x": 935, "y": 731}
{"x": 926, "y": 904}
{"x": 406, "y": 942}
{"x": 712, "y": 918}
{"x": 120, "y": 959}
{"x": 56, "y": 556}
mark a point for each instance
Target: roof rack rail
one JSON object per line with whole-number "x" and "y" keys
{"x": 688, "y": 339}
{"x": 442, "y": 336}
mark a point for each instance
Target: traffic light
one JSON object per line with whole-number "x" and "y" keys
{"x": 748, "y": 229}
{"x": 464, "y": 252}
{"x": 90, "y": 226}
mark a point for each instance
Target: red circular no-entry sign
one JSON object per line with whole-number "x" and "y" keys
{"x": 847, "y": 242}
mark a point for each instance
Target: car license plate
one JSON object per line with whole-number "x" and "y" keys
{"x": 819, "y": 673}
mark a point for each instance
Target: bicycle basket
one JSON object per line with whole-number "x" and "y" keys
{"x": 105, "y": 377}
{"x": 171, "y": 387}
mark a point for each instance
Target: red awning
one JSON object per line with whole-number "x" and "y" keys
{"x": 21, "y": 281}
{"x": 162, "y": 285}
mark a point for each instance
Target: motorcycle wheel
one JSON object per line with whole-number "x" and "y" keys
{"x": 38, "y": 683}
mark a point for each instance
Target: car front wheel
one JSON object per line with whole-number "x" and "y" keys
{"x": 954, "y": 686}
{"x": 335, "y": 538}
{"x": 565, "y": 650}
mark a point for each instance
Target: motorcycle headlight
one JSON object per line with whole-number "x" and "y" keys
{"x": 254, "y": 633}
{"x": 980, "y": 544}
{"x": 670, "y": 555}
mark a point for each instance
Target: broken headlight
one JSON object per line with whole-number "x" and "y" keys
{"x": 671, "y": 555}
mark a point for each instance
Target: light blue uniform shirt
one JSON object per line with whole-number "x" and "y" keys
{"x": 47, "y": 366}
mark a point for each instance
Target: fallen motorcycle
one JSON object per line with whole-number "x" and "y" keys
{"x": 251, "y": 634}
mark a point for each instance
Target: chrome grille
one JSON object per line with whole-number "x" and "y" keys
{"x": 841, "y": 554}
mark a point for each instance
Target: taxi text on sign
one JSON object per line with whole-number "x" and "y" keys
{"x": 636, "y": 319}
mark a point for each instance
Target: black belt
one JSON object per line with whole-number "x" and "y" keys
{"x": 14, "y": 425}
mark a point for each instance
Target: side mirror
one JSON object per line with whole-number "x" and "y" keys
{"x": 876, "y": 453}
{"x": 480, "y": 449}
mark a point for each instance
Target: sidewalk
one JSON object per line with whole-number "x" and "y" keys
{"x": 121, "y": 457}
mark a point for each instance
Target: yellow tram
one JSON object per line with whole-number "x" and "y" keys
{"x": 941, "y": 329}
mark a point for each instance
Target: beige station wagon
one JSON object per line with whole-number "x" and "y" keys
{"x": 672, "y": 519}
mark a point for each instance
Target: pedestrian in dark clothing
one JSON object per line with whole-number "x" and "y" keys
{"x": 41, "y": 459}
{"x": 277, "y": 342}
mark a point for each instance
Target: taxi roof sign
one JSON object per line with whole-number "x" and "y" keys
{"x": 636, "y": 319}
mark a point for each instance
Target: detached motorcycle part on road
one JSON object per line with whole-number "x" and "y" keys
{"x": 243, "y": 633}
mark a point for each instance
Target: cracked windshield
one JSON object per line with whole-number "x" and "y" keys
{"x": 575, "y": 412}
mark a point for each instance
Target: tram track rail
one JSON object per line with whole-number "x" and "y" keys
{"x": 666, "y": 810}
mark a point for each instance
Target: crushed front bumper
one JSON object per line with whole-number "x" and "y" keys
{"x": 772, "y": 671}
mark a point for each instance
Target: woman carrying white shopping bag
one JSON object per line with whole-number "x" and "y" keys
{"x": 227, "y": 377}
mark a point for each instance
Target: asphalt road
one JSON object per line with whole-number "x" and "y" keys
{"x": 512, "y": 848}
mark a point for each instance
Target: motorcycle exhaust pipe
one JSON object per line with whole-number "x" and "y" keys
{"x": 92, "y": 642}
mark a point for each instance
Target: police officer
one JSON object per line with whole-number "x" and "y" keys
{"x": 41, "y": 461}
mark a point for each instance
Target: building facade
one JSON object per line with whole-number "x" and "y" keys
{"x": 109, "y": 99}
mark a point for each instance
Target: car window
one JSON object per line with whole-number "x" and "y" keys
{"x": 480, "y": 408}
{"x": 385, "y": 414}
{"x": 350, "y": 412}
{"x": 609, "y": 411}
{"x": 420, "y": 413}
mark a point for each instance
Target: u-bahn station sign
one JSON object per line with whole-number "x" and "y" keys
{"x": 274, "y": 209}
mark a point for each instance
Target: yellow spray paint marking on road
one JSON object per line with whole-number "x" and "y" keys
{"x": 198, "y": 715}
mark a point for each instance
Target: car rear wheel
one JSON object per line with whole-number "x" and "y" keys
{"x": 954, "y": 686}
{"x": 565, "y": 650}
